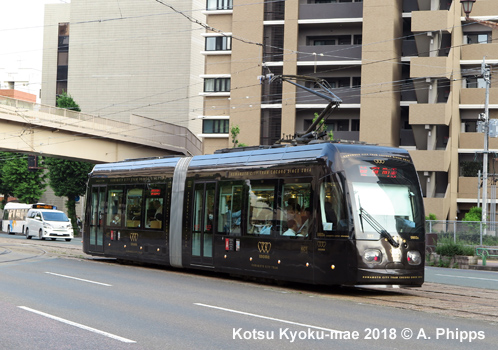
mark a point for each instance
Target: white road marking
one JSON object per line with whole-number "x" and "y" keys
{"x": 71, "y": 323}
{"x": 472, "y": 278}
{"x": 268, "y": 318}
{"x": 79, "y": 279}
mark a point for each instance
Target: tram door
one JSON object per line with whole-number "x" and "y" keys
{"x": 203, "y": 223}
{"x": 96, "y": 240}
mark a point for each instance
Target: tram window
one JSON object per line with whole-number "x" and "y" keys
{"x": 115, "y": 212}
{"x": 332, "y": 206}
{"x": 230, "y": 208}
{"x": 134, "y": 206}
{"x": 154, "y": 208}
{"x": 295, "y": 216}
{"x": 261, "y": 207}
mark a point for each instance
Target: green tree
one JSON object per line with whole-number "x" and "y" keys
{"x": 27, "y": 185}
{"x": 474, "y": 214}
{"x": 65, "y": 100}
{"x": 323, "y": 127}
{"x": 6, "y": 188}
{"x": 235, "y": 131}
{"x": 68, "y": 179}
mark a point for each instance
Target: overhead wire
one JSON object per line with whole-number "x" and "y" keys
{"x": 189, "y": 97}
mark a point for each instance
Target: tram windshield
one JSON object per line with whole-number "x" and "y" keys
{"x": 386, "y": 199}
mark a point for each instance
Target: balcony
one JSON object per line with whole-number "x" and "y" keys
{"x": 348, "y": 95}
{"x": 440, "y": 206}
{"x": 476, "y": 52}
{"x": 483, "y": 8}
{"x": 347, "y": 135}
{"x": 429, "y": 114}
{"x": 467, "y": 187}
{"x": 321, "y": 53}
{"x": 476, "y": 96}
{"x": 475, "y": 140}
{"x": 436, "y": 160}
{"x": 330, "y": 11}
{"x": 429, "y": 67}
{"x": 432, "y": 21}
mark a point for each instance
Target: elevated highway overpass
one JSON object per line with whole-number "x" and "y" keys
{"x": 45, "y": 130}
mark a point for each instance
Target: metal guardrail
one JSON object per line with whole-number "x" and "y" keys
{"x": 472, "y": 232}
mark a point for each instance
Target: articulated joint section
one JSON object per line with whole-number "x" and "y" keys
{"x": 176, "y": 214}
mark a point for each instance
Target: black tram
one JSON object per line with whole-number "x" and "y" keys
{"x": 325, "y": 213}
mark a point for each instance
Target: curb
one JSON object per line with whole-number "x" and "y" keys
{"x": 483, "y": 268}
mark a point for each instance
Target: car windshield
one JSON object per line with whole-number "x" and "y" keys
{"x": 54, "y": 216}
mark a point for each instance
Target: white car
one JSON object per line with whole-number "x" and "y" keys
{"x": 48, "y": 223}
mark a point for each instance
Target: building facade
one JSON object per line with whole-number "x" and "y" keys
{"x": 119, "y": 58}
{"x": 408, "y": 73}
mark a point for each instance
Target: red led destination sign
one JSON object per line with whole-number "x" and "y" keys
{"x": 378, "y": 171}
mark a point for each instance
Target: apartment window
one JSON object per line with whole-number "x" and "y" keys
{"x": 218, "y": 43}
{"x": 336, "y": 83}
{"x": 62, "y": 58}
{"x": 274, "y": 10}
{"x": 216, "y": 84}
{"x": 330, "y": 40}
{"x": 330, "y": 1}
{"x": 473, "y": 83}
{"x": 219, "y": 5}
{"x": 478, "y": 38}
{"x": 215, "y": 126}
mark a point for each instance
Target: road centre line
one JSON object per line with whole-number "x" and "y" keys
{"x": 267, "y": 318}
{"x": 79, "y": 279}
{"x": 71, "y": 323}
{"x": 472, "y": 278}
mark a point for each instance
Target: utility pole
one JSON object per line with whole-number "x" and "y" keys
{"x": 486, "y": 74}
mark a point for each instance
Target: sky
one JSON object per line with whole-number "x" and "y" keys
{"x": 21, "y": 35}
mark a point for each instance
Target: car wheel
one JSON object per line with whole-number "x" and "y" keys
{"x": 68, "y": 239}
{"x": 26, "y": 231}
{"x": 40, "y": 235}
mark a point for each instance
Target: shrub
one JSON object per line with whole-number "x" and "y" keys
{"x": 447, "y": 247}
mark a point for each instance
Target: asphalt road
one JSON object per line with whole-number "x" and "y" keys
{"x": 465, "y": 278}
{"x": 48, "y": 302}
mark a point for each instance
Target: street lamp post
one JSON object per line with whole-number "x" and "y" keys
{"x": 467, "y": 6}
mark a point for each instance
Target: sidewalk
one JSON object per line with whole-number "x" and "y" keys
{"x": 491, "y": 265}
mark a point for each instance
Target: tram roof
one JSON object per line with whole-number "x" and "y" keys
{"x": 258, "y": 156}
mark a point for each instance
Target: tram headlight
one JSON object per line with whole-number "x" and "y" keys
{"x": 414, "y": 257}
{"x": 372, "y": 256}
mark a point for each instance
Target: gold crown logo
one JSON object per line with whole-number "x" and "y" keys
{"x": 264, "y": 247}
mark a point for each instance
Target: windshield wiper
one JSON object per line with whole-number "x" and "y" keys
{"x": 378, "y": 227}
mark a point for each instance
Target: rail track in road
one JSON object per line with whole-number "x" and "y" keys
{"x": 19, "y": 252}
{"x": 442, "y": 299}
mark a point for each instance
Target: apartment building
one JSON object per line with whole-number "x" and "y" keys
{"x": 408, "y": 73}
{"x": 119, "y": 58}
